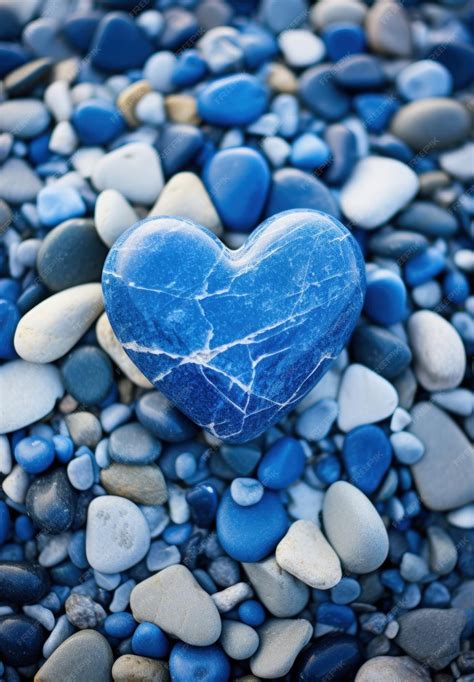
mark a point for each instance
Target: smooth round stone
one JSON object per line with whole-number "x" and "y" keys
{"x": 321, "y": 93}
{"x": 283, "y": 464}
{"x": 367, "y": 456}
{"x": 185, "y": 195}
{"x": 246, "y": 491}
{"x": 354, "y": 528}
{"x": 158, "y": 71}
{"x": 21, "y": 640}
{"x": 421, "y": 269}
{"x": 390, "y": 185}
{"x": 360, "y": 72}
{"x": 133, "y": 444}
{"x": 51, "y": 502}
{"x": 80, "y": 472}
{"x": 143, "y": 484}
{"x": 280, "y": 592}
{"x": 9, "y": 318}
{"x": 459, "y": 401}
{"x": 338, "y": 656}
{"x": 392, "y": 669}
{"x": 292, "y": 188}
{"x": 58, "y": 203}
{"x": 388, "y": 29}
{"x": 435, "y": 123}
{"x": 97, "y": 122}
{"x": 309, "y": 152}
{"x": 305, "y": 553}
{"x": 48, "y": 331}
{"x": 113, "y": 215}
{"x": 112, "y": 346}
{"x": 251, "y": 533}
{"x": 408, "y": 449}
{"x": 396, "y": 244}
{"x": 278, "y": 14}
{"x": 119, "y": 44}
{"x": 84, "y": 428}
{"x": 71, "y": 254}
{"x": 281, "y": 640}
{"x": 457, "y": 57}
{"x": 25, "y": 118}
{"x": 130, "y": 668}
{"x": 34, "y": 454}
{"x": 85, "y": 655}
{"x": 178, "y": 146}
{"x": 343, "y": 39}
{"x": 342, "y": 144}
{"x": 380, "y": 350}
{"x": 150, "y": 640}
{"x": 78, "y": 30}
{"x": 237, "y": 165}
{"x": 439, "y": 354}
{"x": 364, "y": 397}
{"x": 301, "y": 48}
{"x": 235, "y": 100}
{"x": 428, "y": 218}
{"x": 317, "y": 420}
{"x": 459, "y": 162}
{"x": 174, "y": 600}
{"x": 122, "y": 170}
{"x": 346, "y": 591}
{"x": 328, "y": 12}
{"x": 163, "y": 419}
{"x": 22, "y": 583}
{"x": 18, "y": 182}
{"x": 238, "y": 640}
{"x": 424, "y": 78}
{"x": 117, "y": 535}
{"x": 88, "y": 375}
{"x": 209, "y": 663}
{"x": 24, "y": 79}
{"x": 41, "y": 383}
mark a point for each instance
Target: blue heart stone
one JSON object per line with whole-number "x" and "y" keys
{"x": 235, "y": 338}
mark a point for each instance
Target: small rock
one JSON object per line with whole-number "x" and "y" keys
{"x": 18, "y": 182}
{"x": 392, "y": 669}
{"x": 131, "y": 668}
{"x": 83, "y": 612}
{"x": 431, "y": 124}
{"x": 86, "y": 655}
{"x": 24, "y": 118}
{"x": 281, "y": 593}
{"x": 143, "y": 484}
{"x": 388, "y": 29}
{"x": 51, "y": 502}
{"x": 281, "y": 640}
{"x": 459, "y": 162}
{"x": 238, "y": 640}
{"x": 112, "y": 346}
{"x": 133, "y": 444}
{"x": 113, "y": 215}
{"x": 364, "y": 398}
{"x": 301, "y": 48}
{"x": 443, "y": 552}
{"x": 84, "y": 428}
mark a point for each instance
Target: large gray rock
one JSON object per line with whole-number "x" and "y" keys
{"x": 86, "y": 655}
{"x": 281, "y": 640}
{"x": 281, "y": 593}
{"x": 392, "y": 669}
{"x": 432, "y": 123}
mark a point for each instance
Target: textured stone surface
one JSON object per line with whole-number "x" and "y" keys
{"x": 131, "y": 668}
{"x": 222, "y": 326}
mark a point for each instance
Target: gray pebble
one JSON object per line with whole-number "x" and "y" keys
{"x": 238, "y": 640}
{"x": 161, "y": 556}
{"x": 143, "y": 484}
{"x": 392, "y": 669}
{"x": 130, "y": 668}
{"x": 24, "y": 118}
{"x": 281, "y": 593}
{"x": 224, "y": 571}
{"x": 281, "y": 640}
{"x": 83, "y": 612}
{"x": 431, "y": 123}
{"x": 86, "y": 655}
{"x": 443, "y": 554}
{"x": 228, "y": 599}
{"x": 413, "y": 568}
{"x": 18, "y": 183}
{"x": 84, "y": 428}
{"x": 133, "y": 444}
{"x": 121, "y": 598}
{"x": 61, "y": 631}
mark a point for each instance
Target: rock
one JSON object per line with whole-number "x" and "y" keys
{"x": 281, "y": 640}
{"x": 444, "y": 477}
{"x": 235, "y": 100}
{"x": 86, "y": 655}
{"x": 354, "y": 528}
{"x": 377, "y": 189}
{"x": 305, "y": 553}
{"x": 113, "y": 215}
{"x": 364, "y": 398}
{"x": 292, "y": 188}
{"x": 22, "y": 582}
{"x": 174, "y": 600}
{"x": 228, "y": 599}
{"x": 422, "y": 79}
{"x": 431, "y": 124}
{"x": 18, "y": 182}
{"x": 443, "y": 552}
{"x": 280, "y": 592}
{"x": 301, "y": 48}
{"x": 439, "y": 354}
{"x": 431, "y": 636}
{"x": 41, "y": 383}
{"x": 83, "y": 612}
{"x": 88, "y": 375}
{"x": 238, "y": 640}
{"x": 429, "y": 219}
{"x": 388, "y": 29}
{"x": 131, "y": 668}
{"x": 84, "y": 428}
{"x": 191, "y": 662}
{"x": 119, "y": 43}
{"x": 380, "y": 350}
{"x": 51, "y": 502}
{"x": 143, "y": 484}
{"x": 160, "y": 417}
{"x": 123, "y": 170}
{"x": 129, "y": 98}
{"x": 111, "y": 345}
{"x": 133, "y": 444}
{"x": 459, "y": 162}
{"x": 185, "y": 195}
{"x": 24, "y": 118}
{"x": 392, "y": 669}
{"x": 329, "y": 12}
{"x": 48, "y": 331}
{"x": 322, "y": 94}
{"x": 21, "y": 640}
{"x": 117, "y": 535}
{"x": 335, "y": 657}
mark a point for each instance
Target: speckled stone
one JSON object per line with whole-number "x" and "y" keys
{"x": 143, "y": 484}
{"x": 130, "y": 668}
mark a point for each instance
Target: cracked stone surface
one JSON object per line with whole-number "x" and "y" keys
{"x": 235, "y": 338}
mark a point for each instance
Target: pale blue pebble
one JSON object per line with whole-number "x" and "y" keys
{"x": 80, "y": 472}
{"x": 246, "y": 491}
{"x": 27, "y": 252}
{"x": 151, "y": 109}
{"x": 41, "y": 614}
{"x": 43, "y": 431}
{"x": 424, "y": 78}
{"x": 185, "y": 466}
{"x": 278, "y": 15}
{"x": 161, "y": 556}
{"x": 287, "y": 110}
{"x": 266, "y": 125}
{"x": 6, "y": 459}
{"x": 61, "y": 631}
{"x": 400, "y": 419}
{"x": 316, "y": 421}
{"x": 309, "y": 152}
{"x": 413, "y": 568}
{"x": 408, "y": 448}
{"x": 114, "y": 416}
{"x": 462, "y": 517}
{"x": 115, "y": 83}
{"x": 51, "y": 602}
{"x": 346, "y": 591}
{"x": 56, "y": 204}
{"x": 223, "y": 54}
{"x": 395, "y": 510}
{"x": 102, "y": 457}
{"x": 54, "y": 551}
{"x": 121, "y": 596}
{"x": 77, "y": 549}
{"x": 232, "y": 138}
{"x": 158, "y": 70}
{"x": 277, "y": 150}
{"x": 107, "y": 581}
{"x": 459, "y": 401}
{"x": 427, "y": 295}
{"x": 152, "y": 22}
{"x": 156, "y": 517}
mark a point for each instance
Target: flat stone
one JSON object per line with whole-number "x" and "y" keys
{"x": 431, "y": 124}
{"x": 112, "y": 346}
{"x": 86, "y": 655}
{"x": 113, "y": 215}
{"x": 392, "y": 669}
{"x": 388, "y": 29}
{"x": 50, "y": 329}
{"x": 18, "y": 182}
{"x": 130, "y": 668}
{"x": 174, "y": 600}
{"x": 84, "y": 428}
{"x": 459, "y": 162}
{"x": 444, "y": 477}
{"x": 41, "y": 383}
{"x": 364, "y": 398}
{"x": 117, "y": 535}
{"x": 281, "y": 640}
{"x": 439, "y": 353}
{"x": 306, "y": 554}
{"x": 377, "y": 189}
{"x": 133, "y": 444}
{"x": 24, "y": 118}
{"x": 238, "y": 640}
{"x": 281, "y": 593}
{"x": 143, "y": 484}
{"x": 200, "y": 346}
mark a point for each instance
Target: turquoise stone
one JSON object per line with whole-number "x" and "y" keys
{"x": 235, "y": 338}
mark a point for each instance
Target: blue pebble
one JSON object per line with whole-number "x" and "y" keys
{"x": 57, "y": 203}
{"x": 80, "y": 472}
{"x": 77, "y": 549}
{"x": 456, "y": 287}
{"x": 367, "y": 456}
{"x": 150, "y": 640}
{"x": 337, "y": 616}
{"x": 458, "y": 58}
{"x": 342, "y": 145}
{"x": 88, "y": 375}
{"x": 157, "y": 414}
{"x": 179, "y": 27}
{"x": 386, "y": 297}
{"x": 97, "y": 122}
{"x": 283, "y": 464}
{"x": 198, "y": 664}
{"x": 64, "y": 448}
{"x": 342, "y": 40}
{"x": 34, "y": 454}
{"x": 11, "y": 57}
{"x": 408, "y": 448}
{"x": 178, "y": 145}
{"x": 258, "y": 45}
{"x": 79, "y": 30}
{"x": 292, "y": 188}
{"x": 436, "y": 596}
{"x": 190, "y": 68}
{"x": 328, "y": 468}
{"x": 375, "y": 110}
{"x": 120, "y": 624}
{"x": 309, "y": 152}
{"x": 24, "y": 528}
{"x": 346, "y": 591}
{"x": 176, "y": 534}
{"x": 424, "y": 266}
{"x": 238, "y": 181}
{"x": 322, "y": 94}
{"x": 360, "y": 72}
{"x": 119, "y": 44}
{"x": 316, "y": 421}
{"x": 9, "y": 318}
{"x": 4, "y": 522}
{"x": 424, "y": 78}
{"x": 185, "y": 466}
{"x": 202, "y": 500}
{"x": 392, "y": 579}
{"x": 252, "y": 613}
{"x": 246, "y": 491}
{"x": 332, "y": 657}
{"x": 389, "y": 145}
{"x": 235, "y": 100}
{"x": 287, "y": 110}
{"x": 251, "y": 533}
{"x": 10, "y": 289}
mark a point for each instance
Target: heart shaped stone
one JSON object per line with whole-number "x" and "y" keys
{"x": 235, "y": 338}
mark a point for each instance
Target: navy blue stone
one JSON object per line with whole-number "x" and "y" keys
{"x": 190, "y": 69}
{"x": 178, "y": 145}
{"x": 202, "y": 500}
{"x": 380, "y": 350}
{"x": 283, "y": 464}
{"x": 424, "y": 266}
{"x": 198, "y": 663}
{"x": 9, "y": 318}
{"x": 97, "y": 122}
{"x": 292, "y": 188}
{"x": 375, "y": 110}
{"x": 221, "y": 326}
{"x": 367, "y": 454}
{"x": 119, "y": 44}
{"x": 428, "y": 218}
{"x": 343, "y": 145}
{"x": 10, "y": 27}
{"x": 51, "y": 502}
{"x": 396, "y": 244}
{"x": 88, "y": 375}
{"x": 251, "y": 533}
{"x": 11, "y": 57}
{"x": 79, "y": 30}
{"x": 342, "y": 40}
{"x": 458, "y": 58}
{"x": 160, "y": 417}
{"x": 235, "y": 100}
{"x": 360, "y": 72}
{"x": 389, "y": 145}
{"x": 5, "y": 524}
{"x": 180, "y": 27}
{"x": 237, "y": 165}
{"x": 321, "y": 93}
{"x": 21, "y": 640}
{"x": 22, "y": 583}
{"x": 331, "y": 657}
{"x": 31, "y": 296}
{"x": 66, "y": 574}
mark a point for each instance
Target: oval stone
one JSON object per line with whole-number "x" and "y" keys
{"x": 22, "y": 582}
{"x": 51, "y": 502}
{"x": 21, "y": 640}
{"x": 431, "y": 124}
{"x": 235, "y": 100}
{"x": 85, "y": 655}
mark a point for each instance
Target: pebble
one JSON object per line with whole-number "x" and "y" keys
{"x": 84, "y": 428}
{"x": 354, "y": 528}
{"x": 338, "y": 656}
{"x": 238, "y": 640}
{"x": 443, "y": 554}
{"x": 246, "y": 93}
{"x": 51, "y": 502}
{"x": 459, "y": 162}
{"x": 388, "y": 30}
{"x": 24, "y": 118}
{"x": 83, "y": 612}
{"x": 381, "y": 351}
{"x": 246, "y": 491}
{"x": 83, "y": 655}
{"x": 229, "y": 598}
{"x": 422, "y": 79}
{"x": 305, "y": 553}
{"x": 110, "y": 344}
{"x": 130, "y": 668}
{"x": 392, "y": 669}
{"x": 282, "y": 594}
{"x": 281, "y": 640}
{"x": 282, "y": 464}
{"x": 301, "y": 48}
{"x": 21, "y": 640}
{"x": 292, "y": 188}
{"x": 364, "y": 398}
{"x": 80, "y": 472}
{"x": 119, "y": 44}
{"x": 22, "y": 583}
{"x": 367, "y": 455}
{"x": 408, "y": 449}
{"x": 432, "y": 123}
{"x": 173, "y": 600}
{"x": 88, "y": 375}
{"x": 117, "y": 535}
{"x": 140, "y": 483}
{"x": 34, "y": 454}
{"x": 207, "y": 662}
{"x": 133, "y": 444}
{"x": 18, "y": 182}
{"x": 113, "y": 215}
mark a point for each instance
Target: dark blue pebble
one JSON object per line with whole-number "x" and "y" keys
{"x": 77, "y": 549}
{"x": 337, "y": 616}
{"x": 66, "y": 574}
{"x": 458, "y": 58}
{"x": 456, "y": 287}
{"x": 51, "y": 502}
{"x": 328, "y": 468}
{"x": 38, "y": 150}
{"x": 181, "y": 27}
{"x": 88, "y": 375}
{"x": 24, "y": 528}
{"x": 367, "y": 455}
{"x": 423, "y": 267}
{"x": 79, "y": 29}
{"x": 34, "y": 454}
{"x": 398, "y": 244}
{"x": 97, "y": 122}
{"x": 150, "y": 640}
{"x": 119, "y": 44}
{"x": 10, "y": 289}
{"x": 178, "y": 145}
{"x": 235, "y": 100}
{"x": 252, "y": 613}
{"x": 321, "y": 93}
{"x": 436, "y": 596}
{"x": 380, "y": 350}
{"x": 11, "y": 57}
{"x": 342, "y": 40}
{"x": 202, "y": 500}
{"x": 331, "y": 657}
{"x": 4, "y": 522}
{"x": 23, "y": 80}
{"x": 120, "y": 625}
{"x": 190, "y": 69}
{"x": 292, "y": 188}
{"x": 360, "y": 72}
{"x": 236, "y": 166}
{"x": 392, "y": 579}
{"x": 21, "y": 640}
{"x": 251, "y": 533}
{"x": 283, "y": 464}
{"x": 9, "y": 318}
{"x": 385, "y": 298}
{"x": 428, "y": 218}
{"x": 258, "y": 46}
{"x": 12, "y": 552}
{"x": 198, "y": 664}
{"x": 375, "y": 110}
{"x": 391, "y": 146}
{"x": 157, "y": 414}
{"x": 343, "y": 145}
{"x": 22, "y": 583}
{"x": 10, "y": 27}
